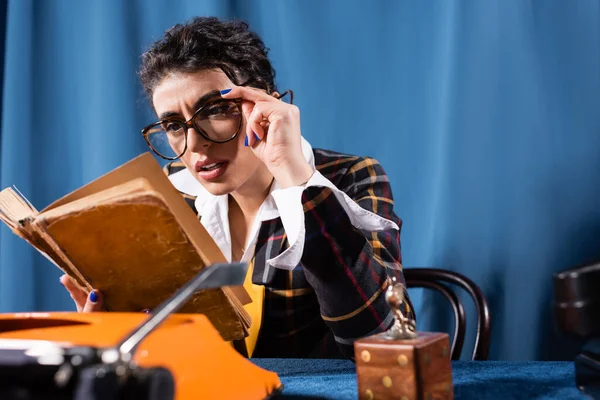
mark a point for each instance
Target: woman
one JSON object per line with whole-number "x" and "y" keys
{"x": 317, "y": 227}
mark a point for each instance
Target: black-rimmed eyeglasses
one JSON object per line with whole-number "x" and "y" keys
{"x": 218, "y": 121}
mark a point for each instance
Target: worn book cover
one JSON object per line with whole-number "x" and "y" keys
{"x": 132, "y": 236}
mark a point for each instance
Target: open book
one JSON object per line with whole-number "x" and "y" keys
{"x": 131, "y": 235}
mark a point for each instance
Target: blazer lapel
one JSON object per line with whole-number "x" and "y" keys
{"x": 270, "y": 243}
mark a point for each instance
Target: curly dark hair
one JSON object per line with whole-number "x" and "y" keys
{"x": 207, "y": 43}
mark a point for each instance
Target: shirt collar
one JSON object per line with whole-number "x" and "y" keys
{"x": 214, "y": 210}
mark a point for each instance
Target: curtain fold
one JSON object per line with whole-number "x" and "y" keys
{"x": 484, "y": 114}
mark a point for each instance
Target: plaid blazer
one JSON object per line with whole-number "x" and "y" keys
{"x": 337, "y": 293}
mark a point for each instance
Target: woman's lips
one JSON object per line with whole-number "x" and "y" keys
{"x": 211, "y": 170}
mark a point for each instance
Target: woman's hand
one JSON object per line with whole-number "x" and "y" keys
{"x": 273, "y": 133}
{"x": 84, "y": 303}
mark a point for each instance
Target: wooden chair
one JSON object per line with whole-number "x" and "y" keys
{"x": 438, "y": 279}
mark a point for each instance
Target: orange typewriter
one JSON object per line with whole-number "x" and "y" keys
{"x": 112, "y": 355}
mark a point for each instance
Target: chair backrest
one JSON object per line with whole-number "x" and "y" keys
{"x": 437, "y": 279}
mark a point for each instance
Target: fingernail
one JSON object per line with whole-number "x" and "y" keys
{"x": 246, "y": 141}
{"x": 256, "y": 136}
{"x": 93, "y": 296}
{"x": 225, "y": 91}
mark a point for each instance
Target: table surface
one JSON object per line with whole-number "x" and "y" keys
{"x": 482, "y": 380}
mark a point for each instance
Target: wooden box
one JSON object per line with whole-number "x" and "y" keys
{"x": 405, "y": 369}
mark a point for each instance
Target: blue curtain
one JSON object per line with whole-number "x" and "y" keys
{"x": 486, "y": 116}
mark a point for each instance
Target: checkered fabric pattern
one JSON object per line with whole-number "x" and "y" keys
{"x": 337, "y": 292}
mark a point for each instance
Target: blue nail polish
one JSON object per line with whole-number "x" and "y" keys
{"x": 246, "y": 141}
{"x": 256, "y": 136}
{"x": 147, "y": 311}
{"x": 225, "y": 91}
{"x": 93, "y": 297}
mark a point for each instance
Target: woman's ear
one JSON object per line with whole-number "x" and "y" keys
{"x": 275, "y": 94}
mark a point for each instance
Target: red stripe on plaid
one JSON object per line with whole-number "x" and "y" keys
{"x": 280, "y": 237}
{"x": 374, "y": 275}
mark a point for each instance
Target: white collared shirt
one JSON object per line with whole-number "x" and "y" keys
{"x": 283, "y": 203}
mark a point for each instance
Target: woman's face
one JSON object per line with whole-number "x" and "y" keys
{"x": 220, "y": 167}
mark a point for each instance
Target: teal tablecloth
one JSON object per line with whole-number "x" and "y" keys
{"x": 481, "y": 380}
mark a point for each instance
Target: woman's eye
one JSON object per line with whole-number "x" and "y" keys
{"x": 220, "y": 109}
{"x": 217, "y": 110}
{"x": 172, "y": 127}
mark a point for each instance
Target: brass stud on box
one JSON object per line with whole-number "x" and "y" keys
{"x": 387, "y": 382}
{"x": 402, "y": 360}
{"x": 365, "y": 355}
